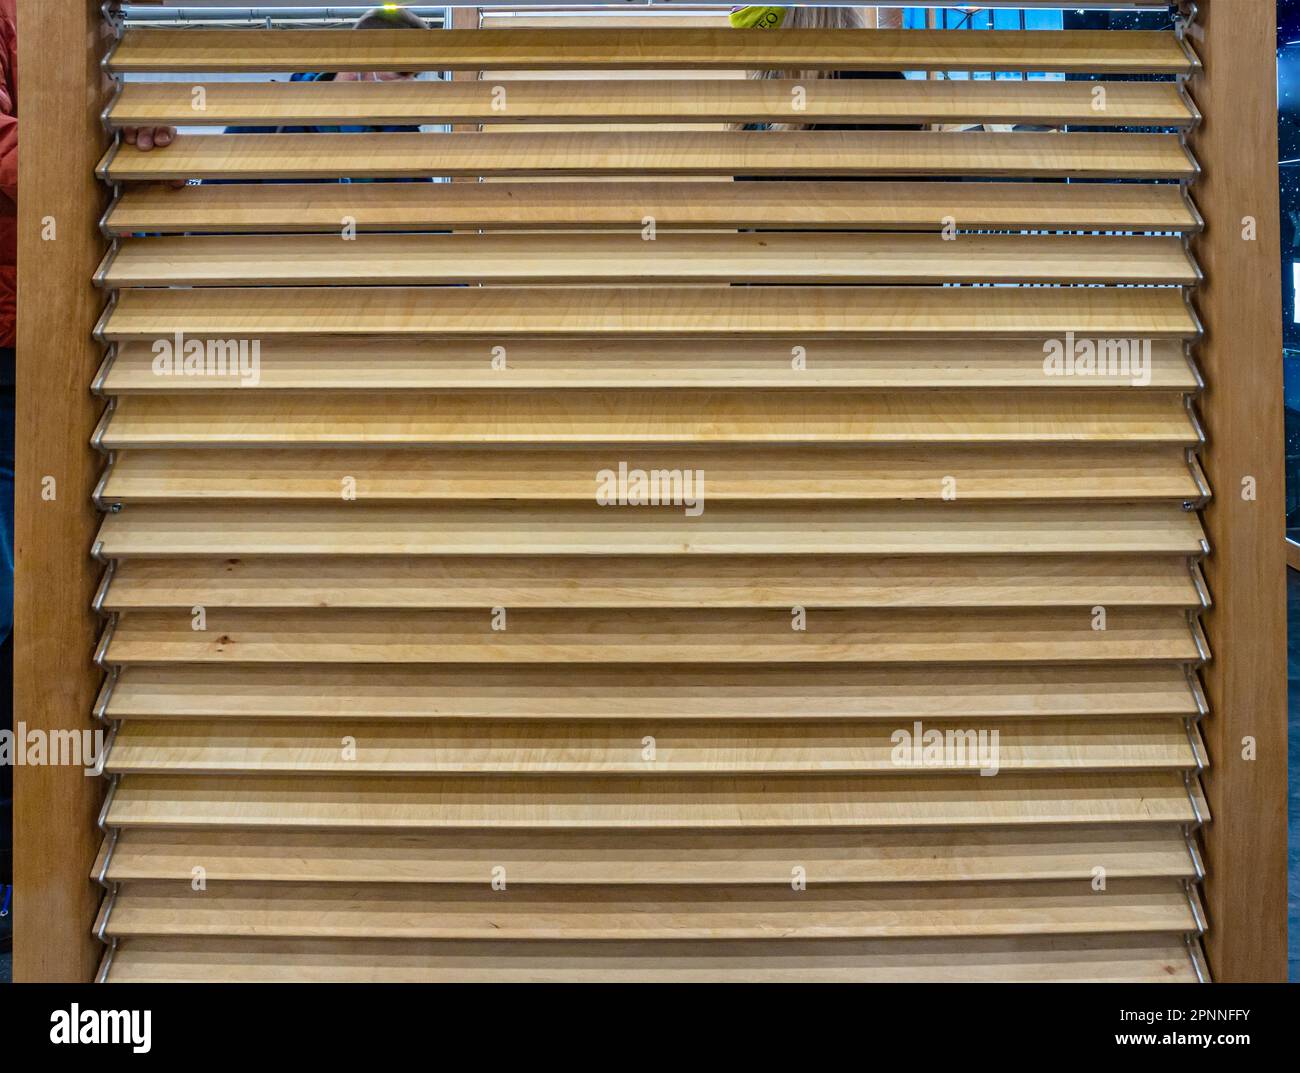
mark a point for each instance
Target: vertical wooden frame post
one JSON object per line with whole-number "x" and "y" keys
{"x": 61, "y": 95}
{"x": 1241, "y": 358}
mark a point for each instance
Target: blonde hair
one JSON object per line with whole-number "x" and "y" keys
{"x": 811, "y": 18}
{"x": 385, "y": 17}
{"x": 815, "y": 18}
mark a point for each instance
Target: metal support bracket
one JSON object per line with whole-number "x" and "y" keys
{"x": 105, "y": 505}
{"x": 1203, "y": 491}
{"x": 1198, "y": 693}
{"x": 102, "y": 823}
{"x": 100, "y": 711}
{"x": 97, "y": 437}
{"x": 1198, "y": 820}
{"x": 105, "y": 639}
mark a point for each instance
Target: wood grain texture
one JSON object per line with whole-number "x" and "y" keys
{"x": 725, "y": 153}
{"x": 897, "y": 911}
{"x": 807, "y": 204}
{"x": 328, "y": 363}
{"x": 735, "y": 746}
{"x": 549, "y": 858}
{"x": 788, "y": 693}
{"x": 1246, "y": 887}
{"x": 539, "y": 49}
{"x": 54, "y": 631}
{"x": 587, "y": 529}
{"x": 893, "y": 635}
{"x": 403, "y": 260}
{"x": 803, "y": 314}
{"x": 911, "y": 800}
{"x": 760, "y": 474}
{"x": 653, "y": 581}
{"x": 699, "y": 418}
{"x": 368, "y": 619}
{"x": 274, "y": 104}
{"x": 1118, "y": 959}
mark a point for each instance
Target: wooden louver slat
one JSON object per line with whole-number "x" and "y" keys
{"x": 1132, "y": 52}
{"x": 669, "y": 636}
{"x": 573, "y": 416}
{"x": 803, "y": 314}
{"x": 1142, "y": 958}
{"x": 671, "y": 258}
{"x": 736, "y": 857}
{"x": 787, "y": 693}
{"x": 277, "y": 104}
{"x": 726, "y": 153}
{"x": 800, "y": 473}
{"x": 723, "y": 529}
{"x": 153, "y": 908}
{"x": 653, "y": 803}
{"x": 809, "y": 205}
{"x": 328, "y": 363}
{"x": 409, "y": 748}
{"x": 612, "y": 581}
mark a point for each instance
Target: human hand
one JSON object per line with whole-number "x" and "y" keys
{"x": 146, "y": 138}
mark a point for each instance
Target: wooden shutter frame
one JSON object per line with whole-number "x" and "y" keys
{"x": 56, "y": 681}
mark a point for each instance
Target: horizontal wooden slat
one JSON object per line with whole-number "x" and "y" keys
{"x": 723, "y": 529}
{"x": 155, "y": 908}
{"x": 581, "y": 802}
{"x": 803, "y": 314}
{"x": 274, "y": 104}
{"x": 1149, "y": 52}
{"x": 1120, "y": 959}
{"x": 694, "y": 857}
{"x": 733, "y": 152}
{"x": 648, "y": 636}
{"x": 332, "y": 364}
{"x": 576, "y": 416}
{"x": 404, "y": 260}
{"x": 563, "y": 473}
{"x": 524, "y": 693}
{"x": 446, "y": 747}
{"x": 1142, "y": 958}
{"x": 920, "y": 206}
{"x": 658, "y": 581}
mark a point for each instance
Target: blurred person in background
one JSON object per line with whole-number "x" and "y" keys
{"x": 377, "y": 18}
{"x": 810, "y": 18}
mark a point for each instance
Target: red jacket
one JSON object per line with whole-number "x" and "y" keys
{"x": 8, "y": 172}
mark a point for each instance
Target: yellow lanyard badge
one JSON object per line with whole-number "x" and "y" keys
{"x": 759, "y": 18}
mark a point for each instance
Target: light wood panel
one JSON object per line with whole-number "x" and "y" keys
{"x": 153, "y": 908}
{"x": 273, "y": 104}
{"x": 767, "y": 474}
{"x": 326, "y": 363}
{"x": 447, "y": 747}
{"x": 403, "y": 260}
{"x": 560, "y": 858}
{"x": 658, "y": 581}
{"x": 210, "y": 692}
{"x": 830, "y": 420}
{"x": 723, "y": 529}
{"x": 1147, "y": 52}
{"x": 585, "y": 417}
{"x": 648, "y": 636}
{"x": 639, "y": 803}
{"x": 804, "y": 314}
{"x": 807, "y": 205}
{"x": 1246, "y": 890}
{"x": 727, "y": 153}
{"x": 1094, "y": 959}
{"x": 55, "y": 806}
